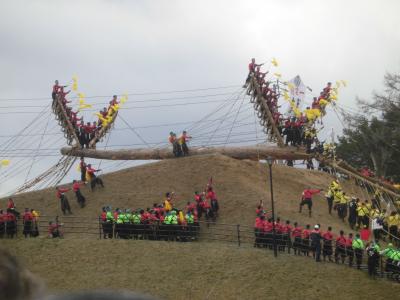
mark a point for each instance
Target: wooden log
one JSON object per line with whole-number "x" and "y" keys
{"x": 245, "y": 152}
{"x": 270, "y": 118}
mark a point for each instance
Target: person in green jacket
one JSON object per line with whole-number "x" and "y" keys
{"x": 388, "y": 253}
{"x": 358, "y": 247}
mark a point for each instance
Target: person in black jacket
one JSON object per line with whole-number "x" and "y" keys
{"x": 316, "y": 238}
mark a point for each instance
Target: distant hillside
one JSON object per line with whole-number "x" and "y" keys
{"x": 239, "y": 186}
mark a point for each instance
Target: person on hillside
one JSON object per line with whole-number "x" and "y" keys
{"x": 362, "y": 215}
{"x": 329, "y": 199}
{"x": 91, "y": 176}
{"x": 352, "y": 208}
{"x": 168, "y": 202}
{"x": 35, "y": 224}
{"x": 27, "y": 219}
{"x": 373, "y": 259}
{"x": 306, "y": 240}
{"x": 82, "y": 167}
{"x": 55, "y": 230}
{"x": 182, "y": 141}
{"x": 388, "y": 253}
{"x": 349, "y": 249}
{"x": 76, "y": 187}
{"x": 358, "y": 247}
{"x": 307, "y": 199}
{"x": 259, "y": 231}
{"x": 327, "y": 250}
{"x": 11, "y": 206}
{"x": 315, "y": 237}
{"x": 393, "y": 222}
{"x": 377, "y": 227}
{"x": 297, "y": 241}
{"x": 286, "y": 233}
{"x": 365, "y": 234}
{"x": 63, "y": 200}
{"x": 10, "y": 223}
{"x": 212, "y": 197}
{"x": 340, "y": 249}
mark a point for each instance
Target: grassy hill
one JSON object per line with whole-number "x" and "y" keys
{"x": 192, "y": 271}
{"x": 201, "y": 270}
{"x": 239, "y": 186}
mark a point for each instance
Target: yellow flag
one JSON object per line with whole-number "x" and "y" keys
{"x": 274, "y": 62}
{"x": 344, "y": 82}
{"x": 5, "y": 162}
{"x": 279, "y": 75}
{"x": 75, "y": 87}
{"x": 78, "y": 168}
{"x": 290, "y": 86}
{"x": 337, "y": 84}
{"x": 286, "y": 95}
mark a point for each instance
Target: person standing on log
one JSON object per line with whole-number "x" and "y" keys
{"x": 82, "y": 166}
{"x": 176, "y": 149}
{"x": 182, "y": 140}
{"x": 252, "y": 70}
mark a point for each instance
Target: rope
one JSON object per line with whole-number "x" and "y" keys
{"x": 233, "y": 123}
{"x": 134, "y": 131}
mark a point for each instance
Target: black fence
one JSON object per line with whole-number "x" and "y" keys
{"x": 234, "y": 234}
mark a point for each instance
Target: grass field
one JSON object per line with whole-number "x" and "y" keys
{"x": 201, "y": 270}
{"x": 192, "y": 271}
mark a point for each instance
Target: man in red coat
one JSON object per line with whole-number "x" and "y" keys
{"x": 27, "y": 219}
{"x": 307, "y": 199}
{"x": 63, "y": 199}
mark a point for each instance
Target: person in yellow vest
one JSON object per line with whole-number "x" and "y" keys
{"x": 342, "y": 205}
{"x": 393, "y": 222}
{"x": 168, "y": 204}
{"x": 362, "y": 216}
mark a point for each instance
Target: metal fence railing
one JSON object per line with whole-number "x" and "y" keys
{"x": 234, "y": 234}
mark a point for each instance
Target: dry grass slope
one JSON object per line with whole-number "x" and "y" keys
{"x": 239, "y": 186}
{"x": 192, "y": 271}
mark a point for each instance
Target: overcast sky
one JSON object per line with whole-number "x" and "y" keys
{"x": 149, "y": 46}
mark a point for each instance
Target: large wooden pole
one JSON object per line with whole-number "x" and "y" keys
{"x": 245, "y": 152}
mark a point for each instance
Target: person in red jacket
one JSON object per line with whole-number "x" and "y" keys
{"x": 306, "y": 240}
{"x": 307, "y": 199}
{"x": 63, "y": 200}
{"x": 2, "y": 223}
{"x": 213, "y": 200}
{"x": 327, "y": 244}
{"x": 10, "y": 223}
{"x": 340, "y": 249}
{"x": 286, "y": 232}
{"x": 259, "y": 231}
{"x": 94, "y": 180}
{"x": 76, "y": 187}
{"x": 27, "y": 219}
{"x": 252, "y": 70}
{"x": 297, "y": 234}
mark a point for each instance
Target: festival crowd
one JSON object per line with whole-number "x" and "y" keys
{"x": 88, "y": 133}
{"x": 163, "y": 221}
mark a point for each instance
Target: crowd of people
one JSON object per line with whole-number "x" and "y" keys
{"x": 163, "y": 221}
{"x": 368, "y": 216}
{"x": 327, "y": 245}
{"x": 298, "y": 128}
{"x": 179, "y": 144}
{"x": 87, "y": 133}
{"x": 9, "y": 221}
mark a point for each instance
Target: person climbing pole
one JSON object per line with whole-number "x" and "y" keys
{"x": 307, "y": 199}
{"x": 252, "y": 70}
